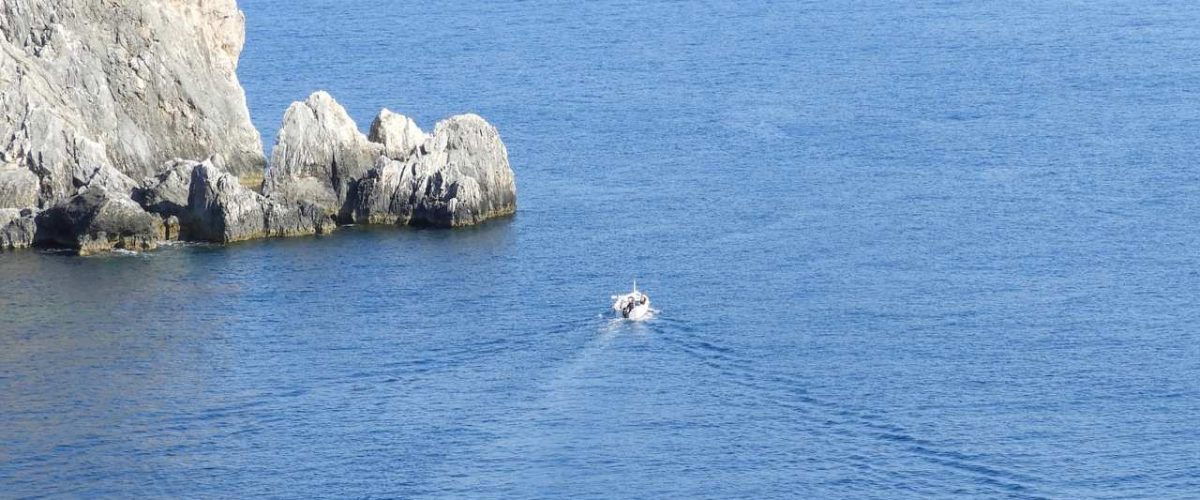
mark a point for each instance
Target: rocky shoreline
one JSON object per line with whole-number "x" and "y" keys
{"x": 129, "y": 143}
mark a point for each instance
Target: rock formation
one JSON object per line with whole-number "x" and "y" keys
{"x": 123, "y": 83}
{"x": 286, "y": 219}
{"x": 206, "y": 203}
{"x": 398, "y": 175}
{"x": 319, "y": 155}
{"x": 398, "y": 134}
{"x": 167, "y": 193}
{"x": 17, "y": 228}
{"x": 103, "y": 176}
{"x": 460, "y": 176}
{"x": 220, "y": 209}
{"x": 97, "y": 93}
{"x": 98, "y": 220}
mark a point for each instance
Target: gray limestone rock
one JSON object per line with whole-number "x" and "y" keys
{"x": 97, "y": 220}
{"x": 18, "y": 228}
{"x": 220, "y": 209}
{"x": 103, "y": 176}
{"x": 319, "y": 155}
{"x": 97, "y": 93}
{"x": 124, "y": 83}
{"x": 166, "y": 193}
{"x": 292, "y": 191}
{"x": 458, "y": 177}
{"x": 285, "y": 219}
{"x": 172, "y": 229}
{"x": 18, "y": 187}
{"x": 381, "y": 197}
{"x": 398, "y": 134}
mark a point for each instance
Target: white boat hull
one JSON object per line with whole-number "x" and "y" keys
{"x": 633, "y": 306}
{"x": 638, "y": 313}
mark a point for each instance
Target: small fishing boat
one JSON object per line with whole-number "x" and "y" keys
{"x": 634, "y": 305}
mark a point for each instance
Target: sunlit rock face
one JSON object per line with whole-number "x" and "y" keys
{"x": 122, "y": 124}
{"x": 398, "y": 134}
{"x": 123, "y": 83}
{"x": 319, "y": 155}
{"x": 457, "y": 176}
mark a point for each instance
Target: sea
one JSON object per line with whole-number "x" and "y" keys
{"x": 927, "y": 249}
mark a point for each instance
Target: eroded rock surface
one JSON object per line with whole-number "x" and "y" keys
{"x": 220, "y": 209}
{"x": 19, "y": 187}
{"x": 319, "y": 155}
{"x": 97, "y": 220}
{"x": 460, "y": 176}
{"x": 286, "y": 219}
{"x": 103, "y": 176}
{"x": 201, "y": 201}
{"x": 398, "y": 134}
{"x": 167, "y": 192}
{"x": 17, "y": 228}
{"x": 123, "y": 83}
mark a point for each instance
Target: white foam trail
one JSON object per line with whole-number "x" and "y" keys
{"x": 120, "y": 252}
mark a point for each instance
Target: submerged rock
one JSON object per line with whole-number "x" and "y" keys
{"x": 18, "y": 228}
{"x": 98, "y": 220}
{"x": 123, "y": 83}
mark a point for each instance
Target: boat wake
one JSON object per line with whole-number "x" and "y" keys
{"x": 120, "y": 252}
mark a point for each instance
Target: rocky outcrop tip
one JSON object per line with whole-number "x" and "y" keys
{"x": 101, "y": 101}
{"x": 458, "y": 176}
{"x": 319, "y": 155}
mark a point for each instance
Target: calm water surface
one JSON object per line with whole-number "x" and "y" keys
{"x": 902, "y": 250}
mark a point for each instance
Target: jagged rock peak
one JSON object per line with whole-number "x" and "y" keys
{"x": 398, "y": 134}
{"x": 320, "y": 148}
{"x": 459, "y": 176}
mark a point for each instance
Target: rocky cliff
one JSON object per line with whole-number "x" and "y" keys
{"x": 106, "y": 106}
{"x": 124, "y": 83}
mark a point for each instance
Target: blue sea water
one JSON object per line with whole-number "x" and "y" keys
{"x": 936, "y": 249}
